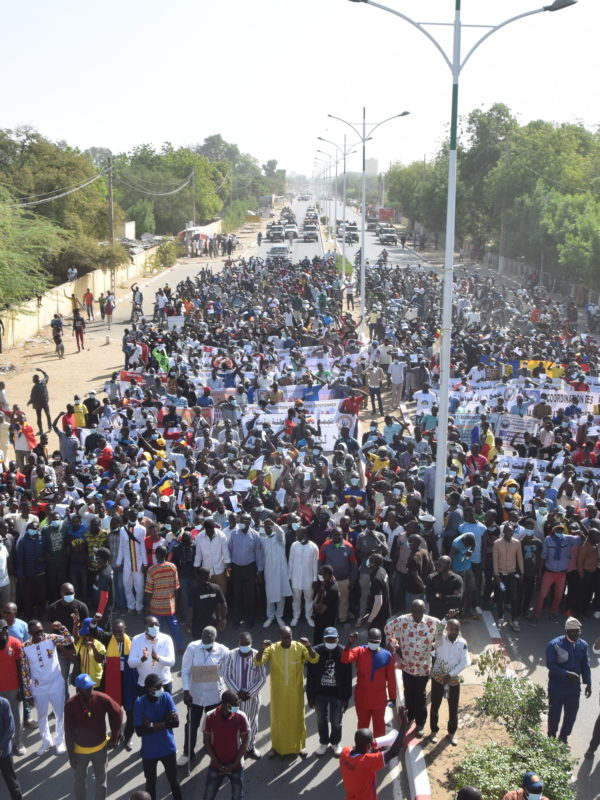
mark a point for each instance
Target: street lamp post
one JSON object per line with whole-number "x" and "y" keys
{"x": 345, "y": 152}
{"x": 455, "y": 65}
{"x": 364, "y": 138}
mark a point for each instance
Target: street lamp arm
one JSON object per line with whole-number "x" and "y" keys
{"x": 497, "y": 28}
{"x": 416, "y": 25}
{"x": 383, "y": 121}
{"x": 349, "y": 124}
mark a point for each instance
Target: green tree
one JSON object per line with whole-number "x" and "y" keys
{"x": 27, "y": 241}
{"x": 142, "y": 212}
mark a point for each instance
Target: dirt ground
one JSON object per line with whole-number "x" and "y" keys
{"x": 442, "y": 758}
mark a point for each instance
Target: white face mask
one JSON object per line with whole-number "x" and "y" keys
{"x": 331, "y": 645}
{"x": 373, "y": 645}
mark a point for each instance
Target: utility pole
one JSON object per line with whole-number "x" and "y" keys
{"x": 194, "y": 196}
{"x": 111, "y": 218}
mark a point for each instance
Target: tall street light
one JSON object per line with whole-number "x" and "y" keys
{"x": 455, "y": 64}
{"x": 364, "y": 137}
{"x": 332, "y": 160}
{"x": 345, "y": 152}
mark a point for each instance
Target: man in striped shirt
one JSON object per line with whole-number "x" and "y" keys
{"x": 162, "y": 585}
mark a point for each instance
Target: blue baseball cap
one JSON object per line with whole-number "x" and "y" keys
{"x": 85, "y": 627}
{"x": 532, "y": 782}
{"x": 329, "y": 632}
{"x": 84, "y": 681}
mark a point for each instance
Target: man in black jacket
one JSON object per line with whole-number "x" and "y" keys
{"x": 38, "y": 398}
{"x": 328, "y": 691}
{"x": 444, "y": 588}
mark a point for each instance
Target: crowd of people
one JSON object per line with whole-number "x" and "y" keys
{"x": 221, "y": 482}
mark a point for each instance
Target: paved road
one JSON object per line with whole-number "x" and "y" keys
{"x": 312, "y": 778}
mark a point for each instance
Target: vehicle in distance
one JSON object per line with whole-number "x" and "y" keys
{"x": 291, "y": 230}
{"x": 310, "y": 233}
{"x": 275, "y": 233}
{"x": 279, "y": 251}
{"x": 372, "y": 223}
{"x": 352, "y": 236}
{"x": 388, "y": 235}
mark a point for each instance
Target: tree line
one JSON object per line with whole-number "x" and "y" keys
{"x": 532, "y": 189}
{"x": 41, "y": 240}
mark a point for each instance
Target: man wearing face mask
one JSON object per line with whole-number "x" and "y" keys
{"x": 340, "y": 556}
{"x": 11, "y": 682}
{"x": 225, "y": 735}
{"x": 55, "y": 541}
{"x": 286, "y": 659}
{"x": 328, "y": 691}
{"x": 507, "y": 556}
{"x": 246, "y": 562}
{"x": 246, "y": 680}
{"x": 155, "y": 717}
{"x": 132, "y": 559}
{"x": 202, "y": 681}
{"x": 533, "y": 789}
{"x": 375, "y": 679}
{"x": 42, "y": 679}
{"x": 86, "y": 715}
{"x": 568, "y": 665}
{"x": 326, "y": 602}
{"x": 212, "y": 552}
{"x": 30, "y": 568}
{"x": 303, "y": 572}
{"x": 277, "y": 584}
{"x": 556, "y": 555}
{"x": 378, "y": 608}
{"x": 152, "y": 652}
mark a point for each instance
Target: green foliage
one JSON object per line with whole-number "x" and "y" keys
{"x": 514, "y": 702}
{"x": 142, "y": 212}
{"x": 542, "y": 179}
{"x": 86, "y": 254}
{"x": 346, "y": 268}
{"x": 26, "y": 243}
{"x": 495, "y": 768}
{"x": 166, "y": 253}
{"x": 234, "y": 215}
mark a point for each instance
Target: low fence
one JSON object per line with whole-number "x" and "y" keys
{"x": 555, "y": 284}
{"x": 38, "y": 312}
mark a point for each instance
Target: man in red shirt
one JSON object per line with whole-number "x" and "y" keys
{"x": 360, "y": 764}
{"x": 10, "y": 680}
{"x": 375, "y": 679}
{"x": 226, "y": 741}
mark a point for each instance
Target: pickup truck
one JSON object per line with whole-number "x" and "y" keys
{"x": 310, "y": 233}
{"x": 275, "y": 233}
{"x": 279, "y": 251}
{"x": 388, "y": 236}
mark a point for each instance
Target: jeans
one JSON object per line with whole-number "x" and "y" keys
{"x": 194, "y": 715}
{"x": 595, "y": 741}
{"x": 78, "y": 577}
{"x": 214, "y": 779}
{"x": 98, "y": 761}
{"x": 120, "y": 599}
{"x": 243, "y": 583}
{"x": 15, "y": 706}
{"x": 437, "y": 695}
{"x": 415, "y": 697}
{"x": 186, "y": 585}
{"x": 588, "y": 584}
{"x": 527, "y": 590}
{"x": 150, "y": 766}
{"x": 375, "y": 393}
{"x": 38, "y": 413}
{"x": 171, "y": 619}
{"x": 329, "y": 713}
{"x": 510, "y": 595}
{"x": 398, "y": 581}
{"x": 7, "y": 770}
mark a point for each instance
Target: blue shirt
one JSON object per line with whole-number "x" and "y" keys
{"x": 157, "y": 744}
{"x": 245, "y": 549}
{"x": 564, "y": 656}
{"x": 461, "y": 561}
{"x": 477, "y": 529}
{"x": 557, "y": 551}
{"x": 19, "y": 630}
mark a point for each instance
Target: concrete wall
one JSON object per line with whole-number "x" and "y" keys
{"x": 38, "y": 313}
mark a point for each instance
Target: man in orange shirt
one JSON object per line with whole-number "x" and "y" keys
{"x": 162, "y": 585}
{"x": 533, "y": 789}
{"x": 88, "y": 301}
{"x": 360, "y": 764}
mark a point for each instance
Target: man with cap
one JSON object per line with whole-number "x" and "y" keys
{"x": 328, "y": 691}
{"x": 86, "y": 715}
{"x": 91, "y": 653}
{"x": 568, "y": 665}
{"x": 533, "y": 789}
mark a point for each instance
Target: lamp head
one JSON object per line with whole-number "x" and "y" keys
{"x": 557, "y": 5}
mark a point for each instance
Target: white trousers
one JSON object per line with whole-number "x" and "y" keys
{"x": 133, "y": 584}
{"x": 297, "y": 602}
{"x": 54, "y": 696}
{"x": 276, "y": 609}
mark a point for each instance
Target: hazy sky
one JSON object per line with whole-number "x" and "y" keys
{"x": 266, "y": 73}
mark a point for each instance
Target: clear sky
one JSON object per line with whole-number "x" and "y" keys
{"x": 266, "y": 73}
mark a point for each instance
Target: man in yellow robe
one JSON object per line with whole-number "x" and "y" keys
{"x": 286, "y": 659}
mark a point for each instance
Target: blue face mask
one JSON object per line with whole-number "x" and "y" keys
{"x": 55, "y": 523}
{"x": 159, "y": 692}
{"x": 234, "y": 709}
{"x": 68, "y": 598}
{"x": 152, "y": 631}
{"x": 245, "y": 648}
{"x": 32, "y": 532}
{"x": 373, "y": 645}
{"x": 207, "y": 645}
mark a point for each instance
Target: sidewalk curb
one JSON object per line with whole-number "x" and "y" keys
{"x": 414, "y": 758}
